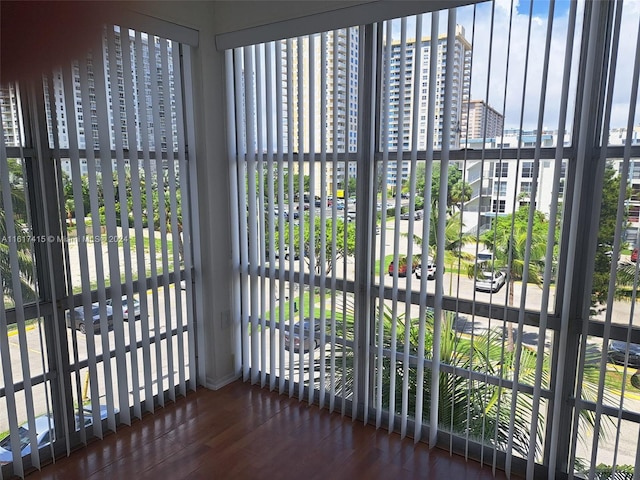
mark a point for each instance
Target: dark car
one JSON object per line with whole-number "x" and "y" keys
{"x": 80, "y": 323}
{"x": 307, "y": 340}
{"x": 402, "y": 268}
{"x": 618, "y": 350}
{"x": 126, "y": 310}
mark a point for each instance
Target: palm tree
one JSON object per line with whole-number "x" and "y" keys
{"x": 24, "y": 248}
{"x": 466, "y": 406}
{"x": 508, "y": 242}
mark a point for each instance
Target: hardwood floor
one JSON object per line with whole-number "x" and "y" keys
{"x": 244, "y": 432}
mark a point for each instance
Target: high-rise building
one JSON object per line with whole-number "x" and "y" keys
{"x": 341, "y": 96}
{"x": 400, "y": 136}
{"x": 9, "y": 112}
{"x": 150, "y": 113}
{"x": 480, "y": 120}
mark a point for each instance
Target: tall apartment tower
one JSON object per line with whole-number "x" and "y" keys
{"x": 481, "y": 121}
{"x": 147, "y": 121}
{"x": 10, "y": 116}
{"x": 401, "y": 136}
{"x": 341, "y": 98}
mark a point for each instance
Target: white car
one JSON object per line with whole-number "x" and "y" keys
{"x": 490, "y": 281}
{"x": 431, "y": 269}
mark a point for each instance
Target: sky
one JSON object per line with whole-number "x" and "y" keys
{"x": 512, "y": 37}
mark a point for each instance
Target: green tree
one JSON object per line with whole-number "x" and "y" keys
{"x": 464, "y": 406}
{"x": 606, "y": 234}
{"x": 67, "y": 188}
{"x": 23, "y": 232}
{"x": 458, "y": 191}
{"x": 509, "y": 250}
{"x": 351, "y": 186}
{"x": 467, "y": 406}
{"x": 344, "y": 247}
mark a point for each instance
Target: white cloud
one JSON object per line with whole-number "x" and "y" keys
{"x": 508, "y": 43}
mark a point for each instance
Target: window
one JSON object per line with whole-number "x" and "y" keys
{"x": 501, "y": 169}
{"x": 498, "y": 206}
{"x": 500, "y": 189}
{"x": 80, "y": 264}
{"x": 314, "y": 260}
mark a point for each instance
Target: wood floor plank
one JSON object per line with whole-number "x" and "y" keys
{"x": 244, "y": 432}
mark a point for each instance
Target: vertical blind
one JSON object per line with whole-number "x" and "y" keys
{"x": 480, "y": 257}
{"x": 97, "y": 323}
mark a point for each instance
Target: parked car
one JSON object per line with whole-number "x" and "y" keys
{"x": 44, "y": 431}
{"x": 43, "y": 426}
{"x": 87, "y": 415}
{"x": 634, "y": 255}
{"x": 417, "y": 215}
{"x": 431, "y": 269}
{"x": 490, "y": 281}
{"x": 79, "y": 323}
{"x": 126, "y": 309}
{"x": 402, "y": 266}
{"x": 618, "y": 349}
{"x": 307, "y": 340}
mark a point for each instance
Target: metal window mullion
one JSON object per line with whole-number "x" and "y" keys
{"x": 264, "y": 213}
{"x": 553, "y": 213}
{"x": 254, "y": 242}
{"x": 149, "y": 378}
{"x": 385, "y": 66}
{"x": 177, "y": 225}
{"x": 106, "y": 169}
{"x": 127, "y": 78}
{"x": 365, "y": 231}
{"x": 572, "y": 241}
